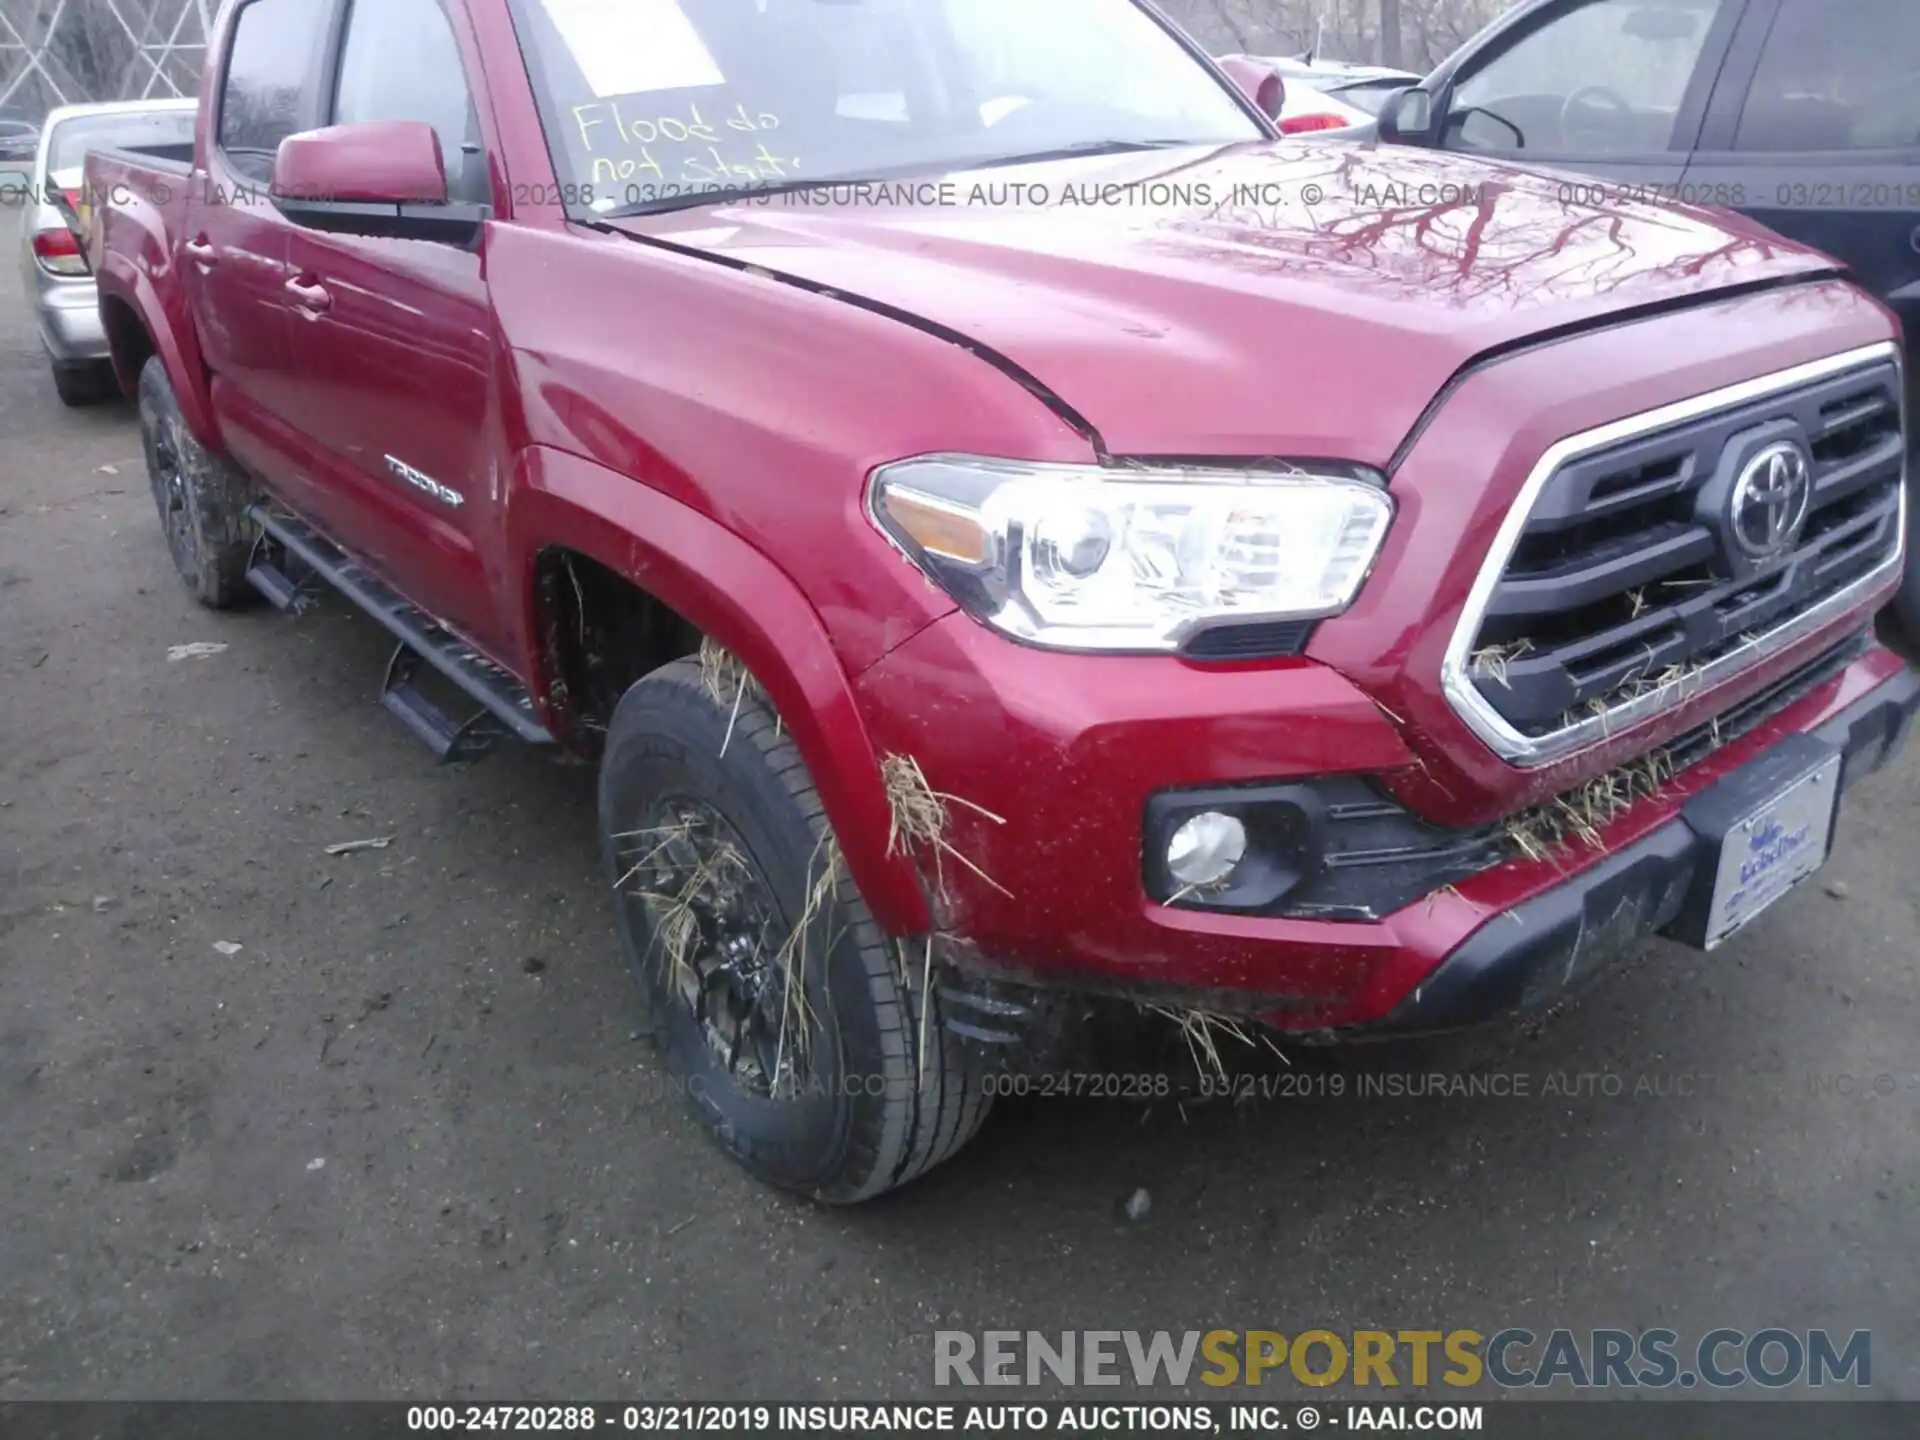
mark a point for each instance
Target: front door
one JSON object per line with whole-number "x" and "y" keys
{"x": 234, "y": 245}
{"x": 393, "y": 341}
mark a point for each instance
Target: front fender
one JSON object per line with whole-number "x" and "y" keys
{"x": 735, "y": 594}
{"x": 136, "y": 268}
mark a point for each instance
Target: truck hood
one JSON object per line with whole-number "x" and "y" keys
{"x": 1304, "y": 298}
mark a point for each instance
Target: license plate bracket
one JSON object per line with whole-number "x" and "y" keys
{"x": 1769, "y": 826}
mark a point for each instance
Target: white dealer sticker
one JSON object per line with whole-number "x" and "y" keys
{"x": 628, "y": 47}
{"x": 1772, "y": 850}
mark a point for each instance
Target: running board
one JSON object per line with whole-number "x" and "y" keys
{"x": 288, "y": 584}
{"x": 452, "y": 741}
{"x": 287, "y": 564}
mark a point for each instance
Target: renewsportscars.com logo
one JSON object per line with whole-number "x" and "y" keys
{"x": 1513, "y": 1358}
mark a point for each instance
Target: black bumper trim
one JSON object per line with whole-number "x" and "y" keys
{"x": 1544, "y": 950}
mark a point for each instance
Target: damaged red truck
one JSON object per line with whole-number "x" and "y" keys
{"x": 1017, "y": 536}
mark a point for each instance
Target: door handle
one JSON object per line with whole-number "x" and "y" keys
{"x": 310, "y": 295}
{"x": 200, "y": 251}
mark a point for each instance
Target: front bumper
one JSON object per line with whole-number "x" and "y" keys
{"x": 1544, "y": 949}
{"x": 1061, "y": 754}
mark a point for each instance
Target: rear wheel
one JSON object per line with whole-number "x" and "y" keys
{"x": 793, "y": 1025}
{"x": 88, "y": 382}
{"x": 203, "y": 498}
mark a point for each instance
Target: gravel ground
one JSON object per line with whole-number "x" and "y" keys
{"x": 279, "y": 1124}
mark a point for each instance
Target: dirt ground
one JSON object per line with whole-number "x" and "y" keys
{"x": 277, "y": 1124}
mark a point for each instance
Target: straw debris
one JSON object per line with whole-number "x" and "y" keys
{"x": 679, "y": 886}
{"x": 1211, "y": 887}
{"x": 1582, "y": 815}
{"x": 924, "y": 963}
{"x": 726, "y": 678}
{"x": 1492, "y": 660}
{"x": 1675, "y": 678}
{"x": 1671, "y": 685}
{"x": 1199, "y": 1029}
{"x": 825, "y": 867}
{"x": 920, "y": 816}
{"x": 675, "y": 892}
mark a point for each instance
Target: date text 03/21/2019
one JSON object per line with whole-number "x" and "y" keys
{"x": 826, "y": 1419}
{"x": 1123, "y": 1418}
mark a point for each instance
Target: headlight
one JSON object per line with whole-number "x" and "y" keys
{"x": 1080, "y": 557}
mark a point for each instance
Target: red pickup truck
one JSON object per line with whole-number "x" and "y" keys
{"x": 1022, "y": 541}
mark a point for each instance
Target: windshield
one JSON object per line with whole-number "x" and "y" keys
{"x": 654, "y": 104}
{"x": 73, "y": 138}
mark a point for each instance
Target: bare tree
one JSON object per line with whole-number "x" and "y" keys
{"x": 1416, "y": 34}
{"x": 1223, "y": 11}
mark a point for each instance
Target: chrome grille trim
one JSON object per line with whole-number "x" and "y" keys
{"x": 1531, "y": 751}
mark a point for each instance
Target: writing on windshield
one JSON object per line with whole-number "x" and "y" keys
{"x": 631, "y": 144}
{"x": 647, "y": 100}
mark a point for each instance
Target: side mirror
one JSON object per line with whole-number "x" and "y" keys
{"x": 383, "y": 178}
{"x": 1407, "y": 117}
{"x": 1258, "y": 81}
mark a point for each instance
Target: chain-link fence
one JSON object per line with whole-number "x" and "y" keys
{"x": 63, "y": 52}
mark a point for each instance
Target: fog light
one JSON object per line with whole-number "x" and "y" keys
{"x": 1206, "y": 849}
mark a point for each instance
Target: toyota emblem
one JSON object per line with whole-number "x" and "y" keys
{"x": 1770, "y": 501}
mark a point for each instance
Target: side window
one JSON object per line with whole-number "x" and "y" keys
{"x": 401, "y": 62}
{"x": 1605, "y": 78}
{"x": 271, "y": 79}
{"x": 1841, "y": 75}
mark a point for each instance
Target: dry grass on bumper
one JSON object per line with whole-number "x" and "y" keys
{"x": 1580, "y": 816}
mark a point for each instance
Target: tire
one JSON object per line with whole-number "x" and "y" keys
{"x": 202, "y": 498}
{"x": 866, "y": 1119}
{"x": 88, "y": 383}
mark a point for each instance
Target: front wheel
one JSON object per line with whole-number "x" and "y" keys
{"x": 799, "y": 1033}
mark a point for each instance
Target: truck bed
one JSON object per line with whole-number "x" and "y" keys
{"x": 133, "y": 206}
{"x": 170, "y": 159}
{"x": 146, "y": 186}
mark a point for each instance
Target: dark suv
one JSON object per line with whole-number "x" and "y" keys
{"x": 1804, "y": 114}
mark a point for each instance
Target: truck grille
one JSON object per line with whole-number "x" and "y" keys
{"x": 1647, "y": 560}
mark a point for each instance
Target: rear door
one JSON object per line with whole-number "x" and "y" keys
{"x": 393, "y": 339}
{"x": 1611, "y": 88}
{"x": 1814, "y": 130}
{"x": 234, "y": 243}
